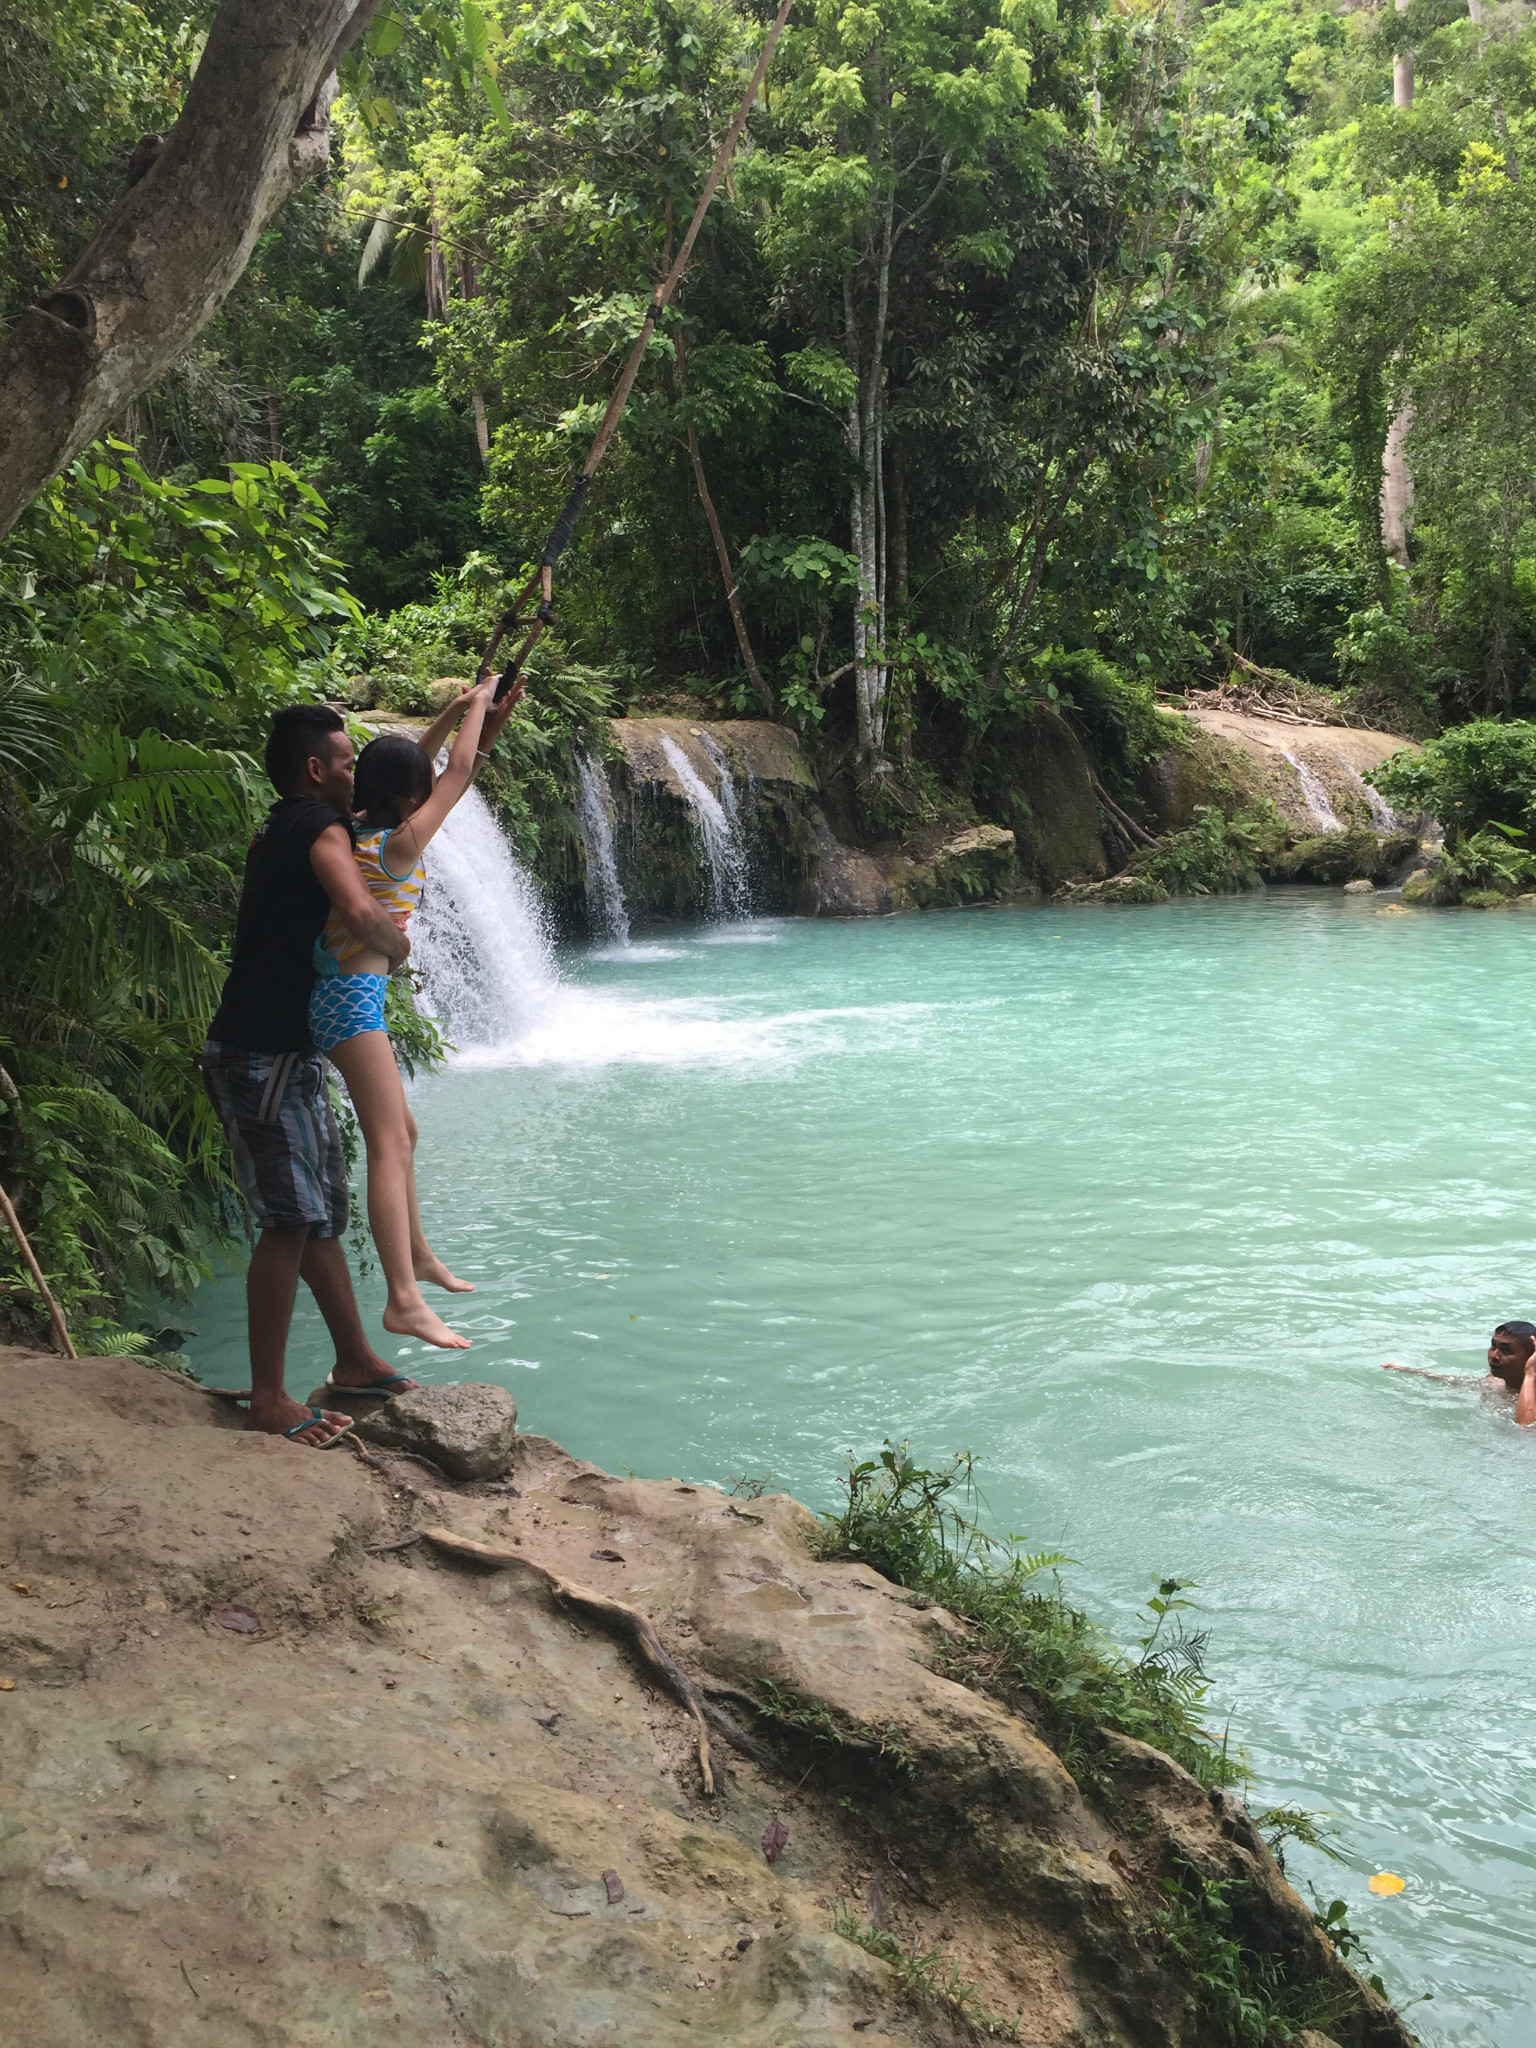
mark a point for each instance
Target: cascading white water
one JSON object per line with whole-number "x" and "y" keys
{"x": 1315, "y": 795}
{"x": 725, "y": 851}
{"x": 481, "y": 937}
{"x": 594, "y": 814}
{"x": 1383, "y": 817}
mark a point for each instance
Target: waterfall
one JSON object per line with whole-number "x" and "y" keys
{"x": 719, "y": 827}
{"x": 594, "y": 814}
{"x": 1383, "y": 817}
{"x": 1315, "y": 795}
{"x": 481, "y": 937}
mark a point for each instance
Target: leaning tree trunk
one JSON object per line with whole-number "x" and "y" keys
{"x": 865, "y": 437}
{"x": 254, "y": 126}
{"x": 1396, "y": 477}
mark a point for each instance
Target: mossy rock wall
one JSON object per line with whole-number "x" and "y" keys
{"x": 1204, "y": 770}
{"x": 1042, "y": 792}
{"x": 656, "y": 840}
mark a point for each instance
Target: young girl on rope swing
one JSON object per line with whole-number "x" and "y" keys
{"x": 400, "y": 803}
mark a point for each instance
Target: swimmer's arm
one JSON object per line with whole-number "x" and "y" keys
{"x": 1525, "y": 1407}
{"x": 364, "y": 916}
{"x": 1450, "y": 1379}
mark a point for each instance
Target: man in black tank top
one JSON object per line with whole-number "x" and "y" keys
{"x": 267, "y": 1081}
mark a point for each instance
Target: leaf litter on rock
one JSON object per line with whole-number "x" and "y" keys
{"x": 609, "y": 1556}
{"x": 613, "y": 1884}
{"x": 775, "y": 1839}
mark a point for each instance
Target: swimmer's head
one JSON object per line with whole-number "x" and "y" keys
{"x": 1508, "y": 1349}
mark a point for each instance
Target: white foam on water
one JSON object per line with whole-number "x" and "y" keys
{"x": 594, "y": 1028}
{"x": 754, "y": 932}
{"x": 637, "y": 956}
{"x": 483, "y": 942}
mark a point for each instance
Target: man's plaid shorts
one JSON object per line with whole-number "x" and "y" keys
{"x": 276, "y": 1112}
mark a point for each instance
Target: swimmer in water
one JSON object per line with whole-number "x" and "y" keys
{"x": 1511, "y": 1369}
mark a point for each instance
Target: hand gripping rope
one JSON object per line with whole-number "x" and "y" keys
{"x": 565, "y": 525}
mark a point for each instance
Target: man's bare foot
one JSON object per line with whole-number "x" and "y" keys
{"x": 421, "y": 1322}
{"x": 277, "y": 1418}
{"x": 436, "y": 1274}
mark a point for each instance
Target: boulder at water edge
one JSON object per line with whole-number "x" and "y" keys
{"x": 840, "y": 881}
{"x": 468, "y": 1431}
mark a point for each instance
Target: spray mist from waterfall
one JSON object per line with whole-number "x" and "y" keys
{"x": 481, "y": 938}
{"x": 484, "y": 945}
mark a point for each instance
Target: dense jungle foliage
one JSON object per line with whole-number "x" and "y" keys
{"x": 1034, "y": 359}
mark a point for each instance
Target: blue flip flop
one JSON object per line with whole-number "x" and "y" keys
{"x": 317, "y": 1415}
{"x": 386, "y": 1383}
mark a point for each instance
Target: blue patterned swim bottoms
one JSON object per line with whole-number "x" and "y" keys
{"x": 343, "y": 1006}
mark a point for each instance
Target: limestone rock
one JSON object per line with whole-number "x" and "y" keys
{"x": 468, "y": 1430}
{"x": 657, "y": 838}
{"x": 943, "y": 865}
{"x": 397, "y": 1810}
{"x": 840, "y": 881}
{"x": 1358, "y": 855}
{"x": 1117, "y": 889}
{"x": 1361, "y": 888}
{"x": 1046, "y": 796}
{"x": 1336, "y": 755}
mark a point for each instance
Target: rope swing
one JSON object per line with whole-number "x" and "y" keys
{"x": 565, "y": 525}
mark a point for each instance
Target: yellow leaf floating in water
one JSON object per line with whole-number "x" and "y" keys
{"x": 1386, "y": 1883}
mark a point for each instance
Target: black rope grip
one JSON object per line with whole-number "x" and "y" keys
{"x": 565, "y": 525}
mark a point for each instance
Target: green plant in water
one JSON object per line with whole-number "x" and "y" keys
{"x": 1281, "y": 1824}
{"x": 1027, "y": 1645}
{"x": 932, "y": 1975}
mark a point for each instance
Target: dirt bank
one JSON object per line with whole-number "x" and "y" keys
{"x": 422, "y": 1803}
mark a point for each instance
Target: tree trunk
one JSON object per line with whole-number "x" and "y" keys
{"x": 1396, "y": 487}
{"x": 866, "y": 436}
{"x": 899, "y": 571}
{"x": 1396, "y": 478}
{"x": 717, "y": 535}
{"x": 254, "y": 127}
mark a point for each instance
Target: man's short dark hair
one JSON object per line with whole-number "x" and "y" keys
{"x": 298, "y": 732}
{"x": 1516, "y": 1330}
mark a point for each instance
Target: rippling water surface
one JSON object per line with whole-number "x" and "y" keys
{"x": 1130, "y": 1203}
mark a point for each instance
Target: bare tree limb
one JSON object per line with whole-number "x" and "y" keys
{"x": 254, "y": 127}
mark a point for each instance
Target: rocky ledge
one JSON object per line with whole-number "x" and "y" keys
{"x": 314, "y": 1749}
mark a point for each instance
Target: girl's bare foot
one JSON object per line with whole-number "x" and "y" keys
{"x": 436, "y": 1274}
{"x": 419, "y": 1321}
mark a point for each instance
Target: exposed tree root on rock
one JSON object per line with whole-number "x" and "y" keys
{"x": 625, "y": 1620}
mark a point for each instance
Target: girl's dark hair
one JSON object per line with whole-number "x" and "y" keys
{"x": 389, "y": 768}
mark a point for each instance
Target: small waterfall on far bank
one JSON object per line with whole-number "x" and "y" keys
{"x": 719, "y": 828}
{"x": 1383, "y": 817}
{"x": 1315, "y": 795}
{"x": 594, "y": 814}
{"x": 481, "y": 937}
